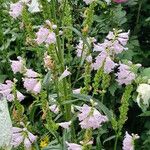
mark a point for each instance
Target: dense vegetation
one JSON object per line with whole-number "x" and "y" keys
{"x": 75, "y": 74}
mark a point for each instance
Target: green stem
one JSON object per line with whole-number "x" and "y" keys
{"x": 138, "y": 17}
{"x": 60, "y": 56}
{"x": 116, "y": 141}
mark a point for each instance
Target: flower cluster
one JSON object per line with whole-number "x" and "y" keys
{"x": 90, "y": 117}
{"x": 17, "y": 8}
{"x": 7, "y": 91}
{"x": 46, "y": 36}
{"x": 31, "y": 79}
{"x": 17, "y": 65}
{"x": 22, "y": 135}
{"x": 114, "y": 44}
{"x": 128, "y": 142}
{"x": 124, "y": 75}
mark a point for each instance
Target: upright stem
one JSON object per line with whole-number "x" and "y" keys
{"x": 116, "y": 141}
{"x": 138, "y": 17}
{"x": 61, "y": 61}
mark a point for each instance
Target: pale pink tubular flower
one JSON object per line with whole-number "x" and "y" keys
{"x": 124, "y": 75}
{"x": 17, "y": 65}
{"x": 76, "y": 91}
{"x": 65, "y": 125}
{"x": 117, "y": 47}
{"x": 42, "y": 35}
{"x": 31, "y": 74}
{"x": 6, "y": 91}
{"x": 37, "y": 88}
{"x": 65, "y": 74}
{"x": 29, "y": 83}
{"x": 73, "y": 146}
{"x": 99, "y": 60}
{"x": 54, "y": 108}
{"x": 88, "y": 1}
{"x": 120, "y": 1}
{"x": 128, "y": 142}
{"x": 110, "y": 35}
{"x": 32, "y": 85}
{"x": 20, "y": 96}
{"x": 16, "y": 9}
{"x": 51, "y": 39}
{"x": 22, "y": 135}
{"x": 90, "y": 117}
{"x": 109, "y": 65}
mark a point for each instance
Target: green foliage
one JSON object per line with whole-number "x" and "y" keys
{"x": 78, "y": 21}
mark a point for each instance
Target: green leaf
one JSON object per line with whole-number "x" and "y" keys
{"x": 110, "y": 138}
{"x": 146, "y": 72}
{"x": 145, "y": 114}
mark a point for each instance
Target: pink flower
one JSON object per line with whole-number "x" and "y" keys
{"x": 16, "y": 9}
{"x": 54, "y": 108}
{"x": 99, "y": 47}
{"x": 109, "y": 65}
{"x": 90, "y": 117}
{"x": 42, "y": 35}
{"x": 20, "y": 96}
{"x": 125, "y": 76}
{"x": 32, "y": 85}
{"x": 110, "y": 35}
{"x": 117, "y": 47}
{"x": 65, "y": 74}
{"x": 45, "y": 36}
{"x": 29, "y": 83}
{"x": 22, "y": 135}
{"x": 99, "y": 60}
{"x": 27, "y": 144}
{"x": 51, "y": 39}
{"x": 37, "y": 88}
{"x": 17, "y": 65}
{"x": 31, "y": 74}
{"x": 65, "y": 125}
{"x": 128, "y": 142}
{"x": 73, "y": 146}
{"x": 6, "y": 91}
{"x": 120, "y": 1}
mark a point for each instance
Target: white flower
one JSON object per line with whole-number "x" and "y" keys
{"x": 76, "y": 91}
{"x": 143, "y": 97}
{"x": 65, "y": 125}
{"x": 64, "y": 74}
{"x": 34, "y": 6}
{"x": 88, "y": 1}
